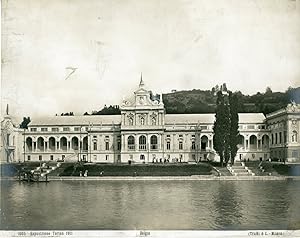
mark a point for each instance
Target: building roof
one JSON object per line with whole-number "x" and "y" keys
{"x": 116, "y": 119}
{"x": 210, "y": 118}
{"x": 76, "y": 120}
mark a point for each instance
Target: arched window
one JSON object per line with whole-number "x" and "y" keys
{"x": 294, "y": 136}
{"x": 85, "y": 143}
{"x": 142, "y": 121}
{"x": 153, "y": 142}
{"x": 74, "y": 143}
{"x": 142, "y": 142}
{"x": 193, "y": 145}
{"x": 40, "y": 143}
{"x": 153, "y": 121}
{"x": 131, "y": 143}
{"x": 253, "y": 142}
{"x": 130, "y": 120}
{"x": 180, "y": 145}
{"x": 63, "y": 143}
{"x": 29, "y": 144}
{"x": 52, "y": 143}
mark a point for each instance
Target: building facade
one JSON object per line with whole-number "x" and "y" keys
{"x": 11, "y": 139}
{"x": 284, "y": 126}
{"x": 144, "y": 133}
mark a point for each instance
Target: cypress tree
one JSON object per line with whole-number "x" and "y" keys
{"x": 234, "y": 125}
{"x": 221, "y": 128}
{"x": 227, "y": 124}
{"x": 226, "y": 127}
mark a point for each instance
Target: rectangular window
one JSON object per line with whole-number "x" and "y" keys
{"x": 63, "y": 157}
{"x": 51, "y": 157}
{"x": 250, "y": 127}
{"x": 168, "y": 145}
{"x": 28, "y": 157}
{"x": 33, "y": 129}
{"x": 55, "y": 129}
{"x": 66, "y": 129}
{"x": 280, "y": 137}
{"x": 40, "y": 157}
{"x": 284, "y": 137}
{"x": 106, "y": 145}
{"x": 193, "y": 145}
{"x": 76, "y": 128}
{"x": 119, "y": 145}
{"x": 106, "y": 157}
{"x": 95, "y": 145}
{"x": 203, "y": 127}
{"x": 44, "y": 129}
{"x": 95, "y": 157}
{"x": 180, "y": 145}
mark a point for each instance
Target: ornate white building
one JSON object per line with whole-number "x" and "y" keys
{"x": 144, "y": 133}
{"x": 11, "y": 140}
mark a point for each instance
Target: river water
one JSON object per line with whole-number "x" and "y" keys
{"x": 193, "y": 205}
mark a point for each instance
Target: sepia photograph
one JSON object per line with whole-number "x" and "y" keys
{"x": 150, "y": 118}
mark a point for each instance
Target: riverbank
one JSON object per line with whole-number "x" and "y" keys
{"x": 164, "y": 178}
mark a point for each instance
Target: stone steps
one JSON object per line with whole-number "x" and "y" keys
{"x": 240, "y": 170}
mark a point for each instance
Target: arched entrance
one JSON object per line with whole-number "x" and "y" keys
{"x": 29, "y": 144}
{"x": 204, "y": 141}
{"x": 52, "y": 143}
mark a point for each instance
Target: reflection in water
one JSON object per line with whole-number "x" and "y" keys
{"x": 151, "y": 205}
{"x": 228, "y": 206}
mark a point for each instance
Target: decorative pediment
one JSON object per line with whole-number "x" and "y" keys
{"x": 142, "y": 99}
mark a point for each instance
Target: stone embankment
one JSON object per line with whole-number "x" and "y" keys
{"x": 163, "y": 178}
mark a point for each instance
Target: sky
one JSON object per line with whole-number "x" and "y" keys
{"x": 175, "y": 44}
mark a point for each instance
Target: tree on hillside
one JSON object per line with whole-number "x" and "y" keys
{"x": 25, "y": 122}
{"x": 234, "y": 125}
{"x": 224, "y": 87}
{"x": 268, "y": 90}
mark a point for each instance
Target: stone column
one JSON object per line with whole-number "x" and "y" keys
{"x": 173, "y": 144}
{"x": 136, "y": 142}
{"x": 44, "y": 145}
{"x": 123, "y": 142}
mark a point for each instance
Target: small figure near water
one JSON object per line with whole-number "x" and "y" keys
{"x": 86, "y": 173}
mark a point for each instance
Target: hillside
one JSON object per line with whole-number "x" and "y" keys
{"x": 203, "y": 101}
{"x": 199, "y": 101}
